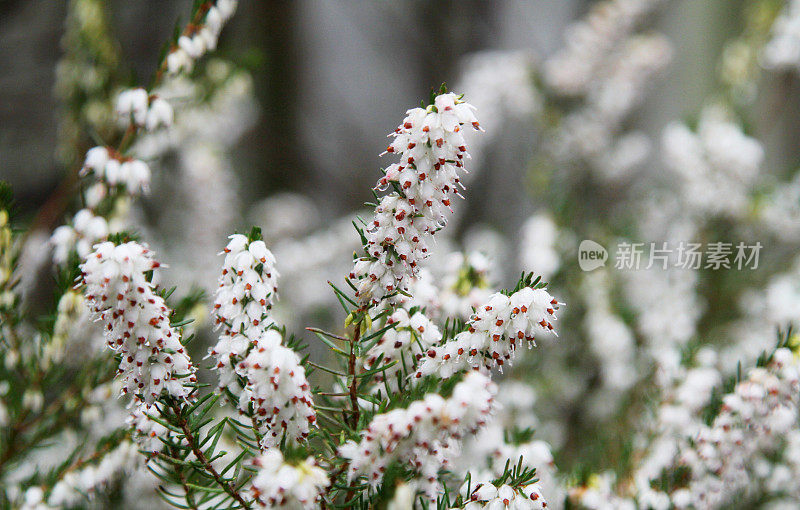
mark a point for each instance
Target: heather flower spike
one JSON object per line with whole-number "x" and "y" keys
{"x": 432, "y": 152}
{"x": 136, "y": 322}
{"x": 265, "y": 376}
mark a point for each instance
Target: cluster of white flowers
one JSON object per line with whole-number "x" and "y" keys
{"x": 716, "y": 166}
{"x": 201, "y": 38}
{"x": 763, "y": 311}
{"x": 751, "y": 426}
{"x": 432, "y": 153}
{"x": 406, "y": 343}
{"x": 136, "y": 321}
{"x": 276, "y": 385}
{"x": 86, "y": 230}
{"x": 247, "y": 289}
{"x": 783, "y": 49}
{"x": 491, "y": 449}
{"x": 115, "y": 170}
{"x": 493, "y": 333}
{"x": 488, "y": 495}
{"x": 278, "y": 484}
{"x": 424, "y": 436}
{"x": 137, "y": 107}
{"x": 278, "y": 390}
{"x": 609, "y": 67}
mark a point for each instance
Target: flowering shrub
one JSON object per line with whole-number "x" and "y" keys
{"x": 667, "y": 387}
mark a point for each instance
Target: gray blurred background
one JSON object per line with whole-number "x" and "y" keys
{"x": 331, "y": 78}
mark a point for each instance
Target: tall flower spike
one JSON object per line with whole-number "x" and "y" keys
{"x": 247, "y": 289}
{"x": 136, "y": 321}
{"x": 249, "y": 347}
{"x": 432, "y": 151}
{"x": 424, "y": 435}
{"x": 493, "y": 333}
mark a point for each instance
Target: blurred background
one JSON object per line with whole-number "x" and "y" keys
{"x": 330, "y": 80}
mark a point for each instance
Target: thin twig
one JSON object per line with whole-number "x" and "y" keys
{"x": 201, "y": 457}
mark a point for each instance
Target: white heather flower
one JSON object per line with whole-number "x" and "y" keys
{"x": 278, "y": 390}
{"x": 96, "y": 159}
{"x": 179, "y": 61}
{"x": 136, "y": 321}
{"x": 247, "y": 289}
{"x": 132, "y": 105}
{"x": 135, "y": 175}
{"x": 424, "y": 436}
{"x": 34, "y": 499}
{"x": 406, "y": 343}
{"x": 85, "y": 231}
{"x": 214, "y": 19}
{"x": 226, "y": 8}
{"x": 113, "y": 170}
{"x": 486, "y": 495}
{"x": 493, "y": 333}
{"x": 192, "y": 46}
{"x": 278, "y": 484}
{"x": 159, "y": 114}
{"x": 203, "y": 38}
{"x": 432, "y": 151}
{"x": 95, "y": 194}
